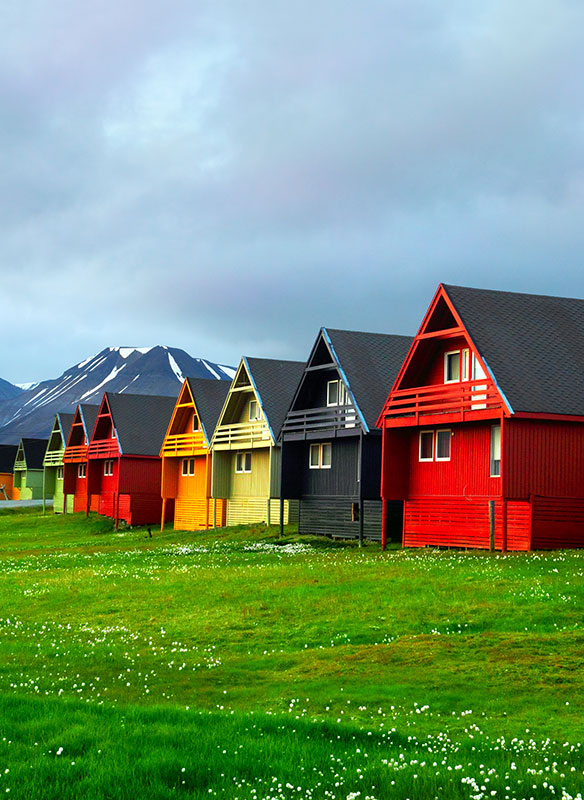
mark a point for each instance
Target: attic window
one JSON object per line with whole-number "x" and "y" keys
{"x": 335, "y": 393}
{"x": 452, "y": 366}
{"x": 196, "y": 424}
{"x": 113, "y": 433}
{"x": 254, "y": 410}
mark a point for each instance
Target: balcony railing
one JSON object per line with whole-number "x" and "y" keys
{"x": 242, "y": 434}
{"x": 103, "y": 448}
{"x": 74, "y": 454}
{"x": 315, "y": 419}
{"x": 459, "y": 400}
{"x": 183, "y": 443}
{"x": 53, "y": 458}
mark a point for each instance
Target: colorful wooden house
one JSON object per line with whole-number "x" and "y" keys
{"x": 331, "y": 449}
{"x": 53, "y": 461}
{"x": 186, "y": 457}
{"x": 246, "y": 455}
{"x": 483, "y": 429}
{"x": 124, "y": 464}
{"x": 75, "y": 458}
{"x": 28, "y": 470}
{"x": 7, "y": 458}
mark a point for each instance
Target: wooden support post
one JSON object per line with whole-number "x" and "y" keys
{"x": 44, "y": 498}
{"x": 361, "y": 515}
{"x": 383, "y": 523}
{"x": 491, "y": 525}
{"x": 504, "y": 531}
{"x": 207, "y": 490}
{"x": 117, "y": 509}
{"x": 281, "y": 492}
{"x": 214, "y": 512}
{"x": 163, "y": 515}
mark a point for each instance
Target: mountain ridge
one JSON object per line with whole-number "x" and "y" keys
{"x": 140, "y": 370}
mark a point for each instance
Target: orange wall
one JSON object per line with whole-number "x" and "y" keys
{"x": 6, "y": 481}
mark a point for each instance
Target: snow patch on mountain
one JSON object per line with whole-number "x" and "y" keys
{"x": 115, "y": 371}
{"x": 175, "y": 368}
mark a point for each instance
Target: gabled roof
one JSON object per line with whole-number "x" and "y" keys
{"x": 7, "y": 457}
{"x": 208, "y": 397}
{"x": 88, "y": 414}
{"x": 369, "y": 363}
{"x": 140, "y": 421}
{"x": 65, "y": 422}
{"x": 533, "y": 345}
{"x": 275, "y": 382}
{"x": 34, "y": 452}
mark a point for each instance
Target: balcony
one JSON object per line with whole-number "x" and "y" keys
{"x": 242, "y": 434}
{"x": 54, "y": 458}
{"x": 452, "y": 402}
{"x": 331, "y": 418}
{"x": 75, "y": 454}
{"x": 184, "y": 444}
{"x": 103, "y": 448}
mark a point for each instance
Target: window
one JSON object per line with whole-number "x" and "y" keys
{"x": 443, "y": 445}
{"x": 320, "y": 456}
{"x": 434, "y": 445}
{"x": 495, "y": 470}
{"x": 188, "y": 466}
{"x": 196, "y": 424}
{"x": 82, "y": 470}
{"x": 426, "y": 451}
{"x": 452, "y": 366}
{"x": 254, "y": 410}
{"x": 59, "y": 473}
{"x": 335, "y": 393}
{"x": 108, "y": 467}
{"x": 243, "y": 462}
{"x": 113, "y": 433}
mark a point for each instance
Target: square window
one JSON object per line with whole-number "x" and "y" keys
{"x": 188, "y": 466}
{"x": 443, "y": 445}
{"x": 452, "y": 366}
{"x": 243, "y": 462}
{"x": 426, "y": 446}
{"x": 495, "y": 469}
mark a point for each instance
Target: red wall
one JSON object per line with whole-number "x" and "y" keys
{"x": 435, "y": 373}
{"x": 545, "y": 458}
{"x": 140, "y": 475}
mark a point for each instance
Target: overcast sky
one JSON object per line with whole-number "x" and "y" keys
{"x": 226, "y": 177}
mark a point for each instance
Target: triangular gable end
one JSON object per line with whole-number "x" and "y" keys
{"x": 104, "y": 425}
{"x": 20, "y": 460}
{"x": 440, "y": 324}
{"x": 77, "y": 427}
{"x": 182, "y": 413}
{"x": 242, "y": 382}
{"x": 322, "y": 357}
{"x": 56, "y": 439}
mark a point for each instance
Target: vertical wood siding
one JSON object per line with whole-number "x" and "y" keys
{"x": 255, "y": 483}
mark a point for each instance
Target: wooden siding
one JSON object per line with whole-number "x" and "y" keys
{"x": 543, "y": 458}
{"x": 332, "y": 516}
{"x": 247, "y": 510}
{"x": 6, "y": 480}
{"x": 29, "y": 484}
{"x": 140, "y": 475}
{"x": 193, "y": 514}
{"x": 557, "y": 522}
{"x": 255, "y": 483}
{"x": 58, "y": 496}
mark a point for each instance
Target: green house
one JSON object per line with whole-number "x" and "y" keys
{"x": 246, "y": 456}
{"x": 28, "y": 469}
{"x": 53, "y": 462}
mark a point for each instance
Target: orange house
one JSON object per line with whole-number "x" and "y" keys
{"x": 7, "y": 458}
{"x": 186, "y": 459}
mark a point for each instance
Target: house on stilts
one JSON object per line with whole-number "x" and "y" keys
{"x": 53, "y": 465}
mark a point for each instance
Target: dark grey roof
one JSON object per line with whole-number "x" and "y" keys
{"x": 65, "y": 422}
{"x": 34, "y": 452}
{"x": 275, "y": 382}
{"x": 370, "y": 363}
{"x": 209, "y": 397}
{"x": 88, "y": 416}
{"x": 532, "y": 344}
{"x": 141, "y": 421}
{"x": 7, "y": 456}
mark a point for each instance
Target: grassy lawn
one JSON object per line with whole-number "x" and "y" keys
{"x": 237, "y": 664}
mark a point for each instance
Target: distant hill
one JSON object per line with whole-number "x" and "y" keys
{"x": 8, "y": 390}
{"x": 139, "y": 370}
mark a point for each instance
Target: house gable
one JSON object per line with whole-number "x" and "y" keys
{"x": 240, "y": 423}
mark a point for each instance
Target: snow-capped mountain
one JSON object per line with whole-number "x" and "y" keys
{"x": 136, "y": 370}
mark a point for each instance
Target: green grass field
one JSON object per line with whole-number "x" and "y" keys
{"x": 236, "y": 664}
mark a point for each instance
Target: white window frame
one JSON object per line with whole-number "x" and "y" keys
{"x": 196, "y": 423}
{"x": 256, "y": 414}
{"x": 187, "y": 464}
{"x": 452, "y": 353}
{"x": 492, "y": 453}
{"x": 108, "y": 467}
{"x": 319, "y": 447}
{"x": 60, "y": 473}
{"x": 432, "y": 433}
{"x": 240, "y": 461}
{"x": 82, "y": 470}
{"x": 335, "y": 402}
{"x": 465, "y": 361}
{"x": 438, "y": 432}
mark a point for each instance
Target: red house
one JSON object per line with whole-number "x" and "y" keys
{"x": 483, "y": 430}
{"x": 124, "y": 466}
{"x": 75, "y": 458}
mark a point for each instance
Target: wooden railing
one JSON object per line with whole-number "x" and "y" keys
{"x": 105, "y": 448}
{"x": 75, "y": 453}
{"x": 327, "y": 418}
{"x": 53, "y": 458}
{"x": 242, "y": 433}
{"x": 183, "y": 443}
{"x": 457, "y": 399}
